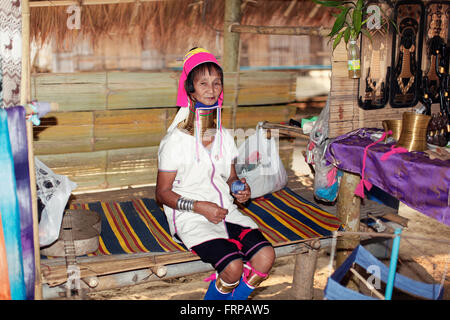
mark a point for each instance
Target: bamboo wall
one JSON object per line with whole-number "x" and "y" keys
{"x": 109, "y": 124}
{"x": 345, "y": 114}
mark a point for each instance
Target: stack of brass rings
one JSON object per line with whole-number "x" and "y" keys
{"x": 414, "y": 131}
{"x": 395, "y": 126}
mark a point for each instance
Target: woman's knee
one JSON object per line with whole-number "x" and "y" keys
{"x": 232, "y": 271}
{"x": 263, "y": 260}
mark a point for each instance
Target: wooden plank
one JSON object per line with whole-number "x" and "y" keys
{"x": 336, "y": 129}
{"x": 342, "y": 111}
{"x": 266, "y": 87}
{"x": 87, "y": 169}
{"x": 57, "y": 274}
{"x": 348, "y": 211}
{"x": 340, "y": 53}
{"x": 248, "y": 117}
{"x": 130, "y": 128}
{"x": 64, "y": 132}
{"x": 68, "y": 132}
{"x": 72, "y": 91}
{"x": 131, "y": 166}
{"x": 106, "y": 169}
{"x": 141, "y": 89}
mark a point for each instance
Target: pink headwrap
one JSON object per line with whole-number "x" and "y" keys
{"x": 192, "y": 59}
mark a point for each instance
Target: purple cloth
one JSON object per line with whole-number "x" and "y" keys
{"x": 413, "y": 178}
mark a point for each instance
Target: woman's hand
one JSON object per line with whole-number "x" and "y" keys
{"x": 210, "y": 211}
{"x": 243, "y": 195}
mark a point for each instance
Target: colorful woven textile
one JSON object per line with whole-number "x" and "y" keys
{"x": 141, "y": 226}
{"x": 10, "y": 51}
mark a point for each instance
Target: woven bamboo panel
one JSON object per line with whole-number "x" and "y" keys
{"x": 63, "y": 132}
{"x": 69, "y": 132}
{"x": 130, "y": 128}
{"x": 87, "y": 169}
{"x": 345, "y": 114}
{"x": 131, "y": 166}
{"x": 73, "y": 91}
{"x": 106, "y": 169}
{"x": 131, "y": 90}
{"x": 248, "y": 117}
{"x": 141, "y": 89}
{"x": 260, "y": 88}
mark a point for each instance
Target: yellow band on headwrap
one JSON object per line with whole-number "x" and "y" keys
{"x": 192, "y": 52}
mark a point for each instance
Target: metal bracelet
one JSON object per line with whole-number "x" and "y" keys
{"x": 184, "y": 204}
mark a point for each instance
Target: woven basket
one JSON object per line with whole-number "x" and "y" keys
{"x": 85, "y": 231}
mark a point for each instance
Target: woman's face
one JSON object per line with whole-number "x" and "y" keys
{"x": 208, "y": 87}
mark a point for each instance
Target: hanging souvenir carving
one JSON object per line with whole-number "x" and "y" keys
{"x": 435, "y": 42}
{"x": 407, "y": 54}
{"x": 373, "y": 90}
{"x": 435, "y": 84}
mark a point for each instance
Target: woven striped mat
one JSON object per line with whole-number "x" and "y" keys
{"x": 140, "y": 225}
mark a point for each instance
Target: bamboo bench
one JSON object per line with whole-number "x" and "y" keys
{"x": 95, "y": 273}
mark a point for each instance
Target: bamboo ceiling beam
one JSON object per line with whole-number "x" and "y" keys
{"x": 59, "y": 3}
{"x": 277, "y": 30}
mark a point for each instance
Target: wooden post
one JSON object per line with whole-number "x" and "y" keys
{"x": 304, "y": 269}
{"x": 25, "y": 97}
{"x": 231, "y": 39}
{"x": 231, "y": 48}
{"x": 348, "y": 211}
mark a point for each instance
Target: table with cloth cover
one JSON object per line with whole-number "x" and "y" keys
{"x": 411, "y": 177}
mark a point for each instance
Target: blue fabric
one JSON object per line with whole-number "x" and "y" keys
{"x": 214, "y": 294}
{"x": 335, "y": 291}
{"x": 204, "y": 106}
{"x": 242, "y": 291}
{"x": 10, "y": 213}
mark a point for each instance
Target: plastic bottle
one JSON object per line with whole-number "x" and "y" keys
{"x": 354, "y": 62}
{"x": 237, "y": 186}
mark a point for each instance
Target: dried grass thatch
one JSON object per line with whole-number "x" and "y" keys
{"x": 170, "y": 23}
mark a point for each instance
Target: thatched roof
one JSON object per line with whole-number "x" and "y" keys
{"x": 168, "y": 23}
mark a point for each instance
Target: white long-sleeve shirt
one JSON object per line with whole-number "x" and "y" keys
{"x": 202, "y": 180}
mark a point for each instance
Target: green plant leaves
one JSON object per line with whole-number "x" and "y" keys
{"x": 339, "y": 23}
{"x": 332, "y": 4}
{"x": 337, "y": 40}
{"x": 346, "y": 35}
{"x": 348, "y": 23}
{"x": 356, "y": 17}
